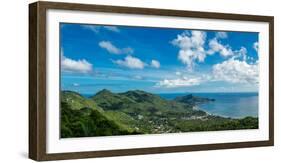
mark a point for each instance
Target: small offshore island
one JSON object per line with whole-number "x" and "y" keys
{"x": 139, "y": 112}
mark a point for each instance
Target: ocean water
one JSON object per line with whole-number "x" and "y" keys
{"x": 234, "y": 105}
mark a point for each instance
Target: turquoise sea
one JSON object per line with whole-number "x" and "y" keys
{"x": 235, "y": 105}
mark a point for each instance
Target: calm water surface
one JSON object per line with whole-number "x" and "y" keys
{"x": 235, "y": 105}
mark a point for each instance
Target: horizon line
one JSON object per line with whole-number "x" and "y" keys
{"x": 159, "y": 92}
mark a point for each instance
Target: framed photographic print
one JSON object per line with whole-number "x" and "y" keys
{"x": 112, "y": 81}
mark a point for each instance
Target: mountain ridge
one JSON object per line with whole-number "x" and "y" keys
{"x": 139, "y": 112}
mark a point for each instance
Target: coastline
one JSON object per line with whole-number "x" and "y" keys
{"x": 204, "y": 106}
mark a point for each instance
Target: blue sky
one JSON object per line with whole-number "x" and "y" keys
{"x": 158, "y": 60}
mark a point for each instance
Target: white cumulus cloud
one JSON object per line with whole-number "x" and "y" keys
{"x": 235, "y": 71}
{"x": 112, "y": 28}
{"x": 241, "y": 53}
{"x": 221, "y": 35}
{"x": 91, "y": 28}
{"x": 96, "y": 28}
{"x": 131, "y": 62}
{"x": 256, "y": 46}
{"x": 180, "y": 82}
{"x": 178, "y": 73}
{"x": 127, "y": 50}
{"x": 191, "y": 46}
{"x": 77, "y": 66}
{"x": 155, "y": 64}
{"x": 107, "y": 45}
{"x": 216, "y": 47}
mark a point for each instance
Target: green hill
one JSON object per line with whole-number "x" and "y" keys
{"x": 139, "y": 112}
{"x": 193, "y": 100}
{"x": 111, "y": 101}
{"x": 88, "y": 122}
{"x": 138, "y": 102}
{"x": 82, "y": 117}
{"x": 77, "y": 101}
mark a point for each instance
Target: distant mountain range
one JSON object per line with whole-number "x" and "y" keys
{"x": 139, "y": 112}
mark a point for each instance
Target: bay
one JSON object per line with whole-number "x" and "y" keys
{"x": 234, "y": 105}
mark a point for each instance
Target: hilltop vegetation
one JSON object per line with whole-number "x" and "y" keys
{"x": 139, "y": 112}
{"x": 193, "y": 100}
